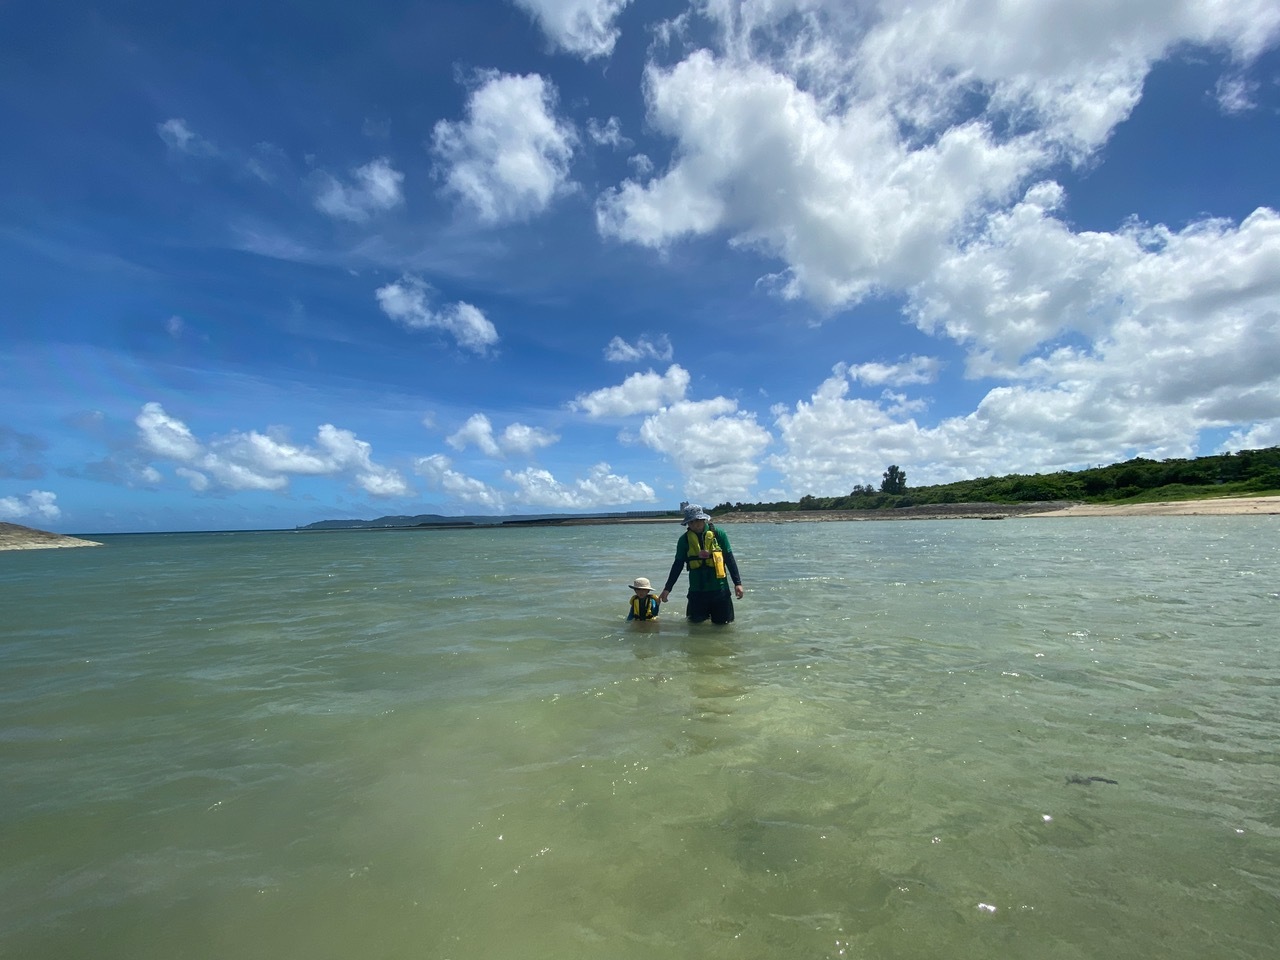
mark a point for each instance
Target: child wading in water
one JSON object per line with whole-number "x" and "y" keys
{"x": 644, "y": 605}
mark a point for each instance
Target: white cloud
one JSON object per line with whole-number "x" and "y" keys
{"x": 346, "y": 453}
{"x": 36, "y": 505}
{"x": 607, "y": 133}
{"x": 856, "y": 145}
{"x": 257, "y": 461}
{"x": 582, "y": 27}
{"x": 914, "y": 370}
{"x": 510, "y": 158}
{"x": 197, "y": 480}
{"x": 1207, "y": 298}
{"x": 516, "y": 438}
{"x": 166, "y": 436}
{"x": 841, "y": 199}
{"x": 829, "y": 442}
{"x": 600, "y": 488}
{"x": 437, "y": 470}
{"x": 407, "y": 302}
{"x": 534, "y": 487}
{"x": 715, "y": 447}
{"x": 639, "y": 393}
{"x": 642, "y": 165}
{"x": 620, "y": 351}
{"x": 375, "y": 189}
{"x": 522, "y": 439}
{"x": 1236, "y": 94}
{"x": 477, "y": 431}
{"x": 1114, "y": 345}
{"x": 180, "y": 138}
{"x": 1257, "y": 437}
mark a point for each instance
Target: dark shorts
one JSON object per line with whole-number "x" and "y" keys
{"x": 717, "y": 606}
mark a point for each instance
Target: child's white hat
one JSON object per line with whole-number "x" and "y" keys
{"x": 640, "y": 583}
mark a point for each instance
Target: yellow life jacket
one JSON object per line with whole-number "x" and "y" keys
{"x": 644, "y": 608}
{"x": 710, "y": 543}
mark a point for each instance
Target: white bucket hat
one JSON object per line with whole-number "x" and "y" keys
{"x": 641, "y": 583}
{"x": 694, "y": 512}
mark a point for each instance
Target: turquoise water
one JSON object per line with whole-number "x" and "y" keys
{"x": 448, "y": 744}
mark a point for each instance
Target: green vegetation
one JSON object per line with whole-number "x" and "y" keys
{"x": 895, "y": 481}
{"x": 1243, "y": 474}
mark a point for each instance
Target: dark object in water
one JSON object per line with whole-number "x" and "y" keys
{"x": 1085, "y": 781}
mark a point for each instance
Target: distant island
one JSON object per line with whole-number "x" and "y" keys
{"x": 14, "y": 536}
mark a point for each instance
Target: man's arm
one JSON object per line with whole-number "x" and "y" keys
{"x": 672, "y": 577}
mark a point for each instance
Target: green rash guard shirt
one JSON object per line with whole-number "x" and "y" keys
{"x": 703, "y": 579}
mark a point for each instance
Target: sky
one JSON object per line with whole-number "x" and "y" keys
{"x": 266, "y": 263}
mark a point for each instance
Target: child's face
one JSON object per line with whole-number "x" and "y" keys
{"x": 640, "y": 592}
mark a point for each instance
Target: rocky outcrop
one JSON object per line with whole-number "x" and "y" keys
{"x": 14, "y": 536}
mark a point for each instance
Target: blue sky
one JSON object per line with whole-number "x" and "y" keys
{"x": 274, "y": 262}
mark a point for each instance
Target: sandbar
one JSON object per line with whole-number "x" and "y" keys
{"x": 1218, "y": 507}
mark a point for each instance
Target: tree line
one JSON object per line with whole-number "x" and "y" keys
{"x": 1244, "y": 473}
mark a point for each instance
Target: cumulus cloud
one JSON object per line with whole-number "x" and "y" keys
{"x": 522, "y": 439}
{"x": 639, "y": 393}
{"x": 600, "y": 488}
{"x": 374, "y": 188}
{"x": 715, "y": 447}
{"x": 914, "y": 370}
{"x": 262, "y": 461}
{"x": 437, "y": 470}
{"x": 1137, "y": 295}
{"x": 1183, "y": 335}
{"x": 408, "y": 301}
{"x": 582, "y": 27}
{"x": 36, "y": 505}
{"x": 855, "y": 149}
{"x": 840, "y": 198}
{"x": 620, "y": 351}
{"x": 517, "y": 438}
{"x": 534, "y": 487}
{"x": 509, "y": 159}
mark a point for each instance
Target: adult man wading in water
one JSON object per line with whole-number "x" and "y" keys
{"x": 710, "y": 560}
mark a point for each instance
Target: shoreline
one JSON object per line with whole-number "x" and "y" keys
{"x": 14, "y": 536}
{"x": 1222, "y": 507}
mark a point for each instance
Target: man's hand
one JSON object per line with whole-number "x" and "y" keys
{"x": 738, "y": 591}
{"x": 662, "y": 597}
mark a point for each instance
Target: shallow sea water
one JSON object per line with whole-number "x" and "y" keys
{"x": 448, "y": 744}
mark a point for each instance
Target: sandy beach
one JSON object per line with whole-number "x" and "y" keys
{"x": 1226, "y": 506}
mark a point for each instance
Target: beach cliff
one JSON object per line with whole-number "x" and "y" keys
{"x": 14, "y": 536}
